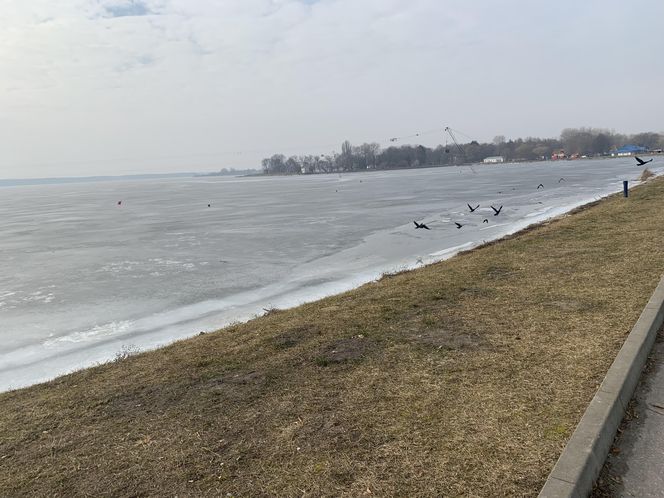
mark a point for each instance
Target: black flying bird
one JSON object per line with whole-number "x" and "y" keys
{"x": 641, "y": 162}
{"x": 472, "y": 209}
{"x": 458, "y": 225}
{"x": 541, "y": 185}
{"x": 496, "y": 212}
{"x": 421, "y": 225}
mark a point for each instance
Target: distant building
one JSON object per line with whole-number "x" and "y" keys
{"x": 494, "y": 160}
{"x": 629, "y": 150}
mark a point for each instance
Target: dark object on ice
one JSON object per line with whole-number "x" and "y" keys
{"x": 485, "y": 220}
{"x": 458, "y": 225}
{"x": 209, "y": 205}
{"x": 496, "y": 212}
{"x": 641, "y": 162}
{"x": 561, "y": 180}
{"x": 119, "y": 203}
{"x": 421, "y": 225}
{"x": 541, "y": 185}
{"x": 472, "y": 209}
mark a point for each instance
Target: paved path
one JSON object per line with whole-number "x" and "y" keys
{"x": 635, "y": 466}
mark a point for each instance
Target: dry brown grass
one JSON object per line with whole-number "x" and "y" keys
{"x": 646, "y": 174}
{"x": 461, "y": 378}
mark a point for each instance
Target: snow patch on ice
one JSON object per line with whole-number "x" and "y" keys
{"x": 96, "y": 332}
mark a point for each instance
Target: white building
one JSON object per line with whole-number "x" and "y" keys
{"x": 494, "y": 160}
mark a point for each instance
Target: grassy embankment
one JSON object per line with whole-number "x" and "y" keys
{"x": 462, "y": 378}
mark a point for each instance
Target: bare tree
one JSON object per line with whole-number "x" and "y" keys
{"x": 346, "y": 157}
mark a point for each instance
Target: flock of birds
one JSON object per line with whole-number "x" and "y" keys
{"x": 496, "y": 211}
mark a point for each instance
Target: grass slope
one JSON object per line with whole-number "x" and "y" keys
{"x": 462, "y": 378}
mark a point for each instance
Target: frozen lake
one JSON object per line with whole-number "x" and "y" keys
{"x": 81, "y": 277}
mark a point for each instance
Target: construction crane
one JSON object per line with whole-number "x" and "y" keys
{"x": 451, "y": 134}
{"x": 464, "y": 157}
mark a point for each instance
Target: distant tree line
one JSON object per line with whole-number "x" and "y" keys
{"x": 589, "y": 142}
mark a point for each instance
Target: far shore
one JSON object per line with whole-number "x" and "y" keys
{"x": 460, "y": 165}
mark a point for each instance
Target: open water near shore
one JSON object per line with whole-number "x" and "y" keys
{"x": 82, "y": 278}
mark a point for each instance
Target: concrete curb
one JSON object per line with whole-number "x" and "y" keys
{"x": 583, "y": 457}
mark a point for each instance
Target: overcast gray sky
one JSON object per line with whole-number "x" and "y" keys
{"x": 114, "y": 86}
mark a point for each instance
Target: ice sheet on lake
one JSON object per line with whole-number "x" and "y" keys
{"x": 82, "y": 278}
